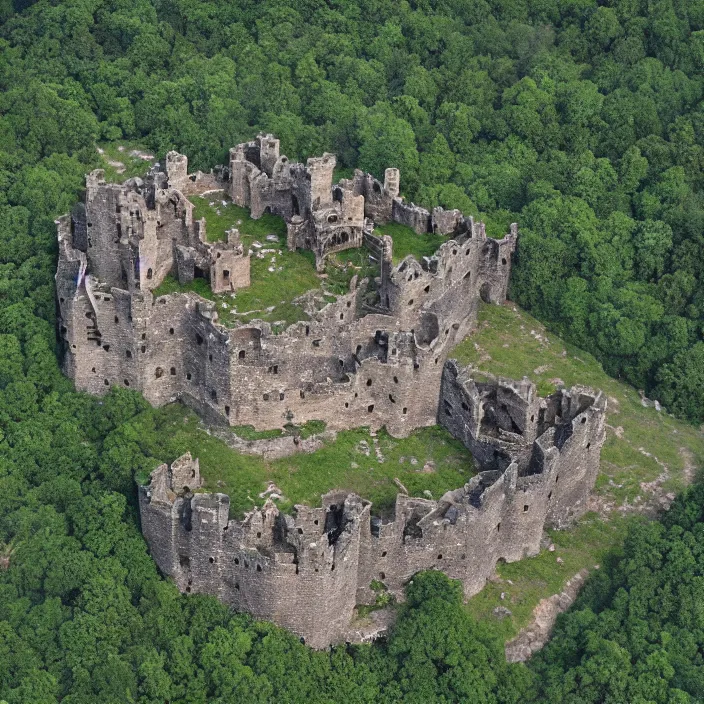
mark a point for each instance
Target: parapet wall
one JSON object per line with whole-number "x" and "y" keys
{"x": 307, "y": 572}
{"x": 354, "y": 363}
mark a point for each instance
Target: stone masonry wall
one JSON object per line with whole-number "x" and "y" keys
{"x": 354, "y": 363}
{"x": 308, "y": 571}
{"x": 376, "y": 356}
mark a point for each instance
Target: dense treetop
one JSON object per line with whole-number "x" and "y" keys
{"x": 637, "y": 631}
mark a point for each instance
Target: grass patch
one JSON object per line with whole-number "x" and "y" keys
{"x": 247, "y": 432}
{"x": 348, "y": 463}
{"x": 271, "y": 294}
{"x": 170, "y": 284}
{"x": 342, "y": 266}
{"x": 223, "y": 215}
{"x": 312, "y": 427}
{"x": 121, "y": 161}
{"x": 278, "y": 276}
{"x": 407, "y": 241}
{"x": 642, "y": 444}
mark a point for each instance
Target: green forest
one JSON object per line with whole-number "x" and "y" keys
{"x": 583, "y": 121}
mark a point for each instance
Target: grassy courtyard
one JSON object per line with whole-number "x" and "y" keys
{"x": 278, "y": 276}
{"x": 221, "y": 215}
{"x": 428, "y": 463}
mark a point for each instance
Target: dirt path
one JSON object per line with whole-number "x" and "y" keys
{"x": 690, "y": 468}
{"x": 654, "y": 498}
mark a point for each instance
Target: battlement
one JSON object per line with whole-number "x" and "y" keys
{"x": 309, "y": 570}
{"x": 375, "y": 356}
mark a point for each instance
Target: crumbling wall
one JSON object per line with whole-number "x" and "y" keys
{"x": 229, "y": 265}
{"x": 554, "y": 442}
{"x": 445, "y": 222}
{"x": 298, "y": 570}
{"x": 378, "y": 197}
{"x": 113, "y": 254}
{"x": 177, "y": 170}
{"x": 374, "y": 357}
{"x": 464, "y": 534}
{"x": 156, "y": 232}
{"x": 240, "y": 172}
{"x": 495, "y": 262}
{"x": 306, "y": 572}
{"x": 496, "y": 418}
{"x": 425, "y": 294}
{"x": 352, "y": 363}
{"x": 411, "y": 215}
{"x": 99, "y": 327}
{"x": 578, "y": 433}
{"x": 361, "y": 375}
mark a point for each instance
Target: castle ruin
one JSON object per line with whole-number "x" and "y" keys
{"x": 538, "y": 459}
{"x": 353, "y": 363}
{"x": 375, "y": 356}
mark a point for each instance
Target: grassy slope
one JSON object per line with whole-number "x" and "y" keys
{"x": 511, "y": 343}
{"x": 406, "y": 241}
{"x": 343, "y": 464}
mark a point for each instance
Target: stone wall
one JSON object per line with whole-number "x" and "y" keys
{"x": 308, "y": 571}
{"x": 373, "y": 357}
{"x": 376, "y": 356}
